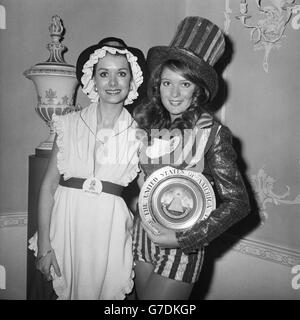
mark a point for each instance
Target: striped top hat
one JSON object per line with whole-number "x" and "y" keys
{"x": 199, "y": 43}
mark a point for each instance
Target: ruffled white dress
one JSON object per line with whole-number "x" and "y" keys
{"x": 92, "y": 234}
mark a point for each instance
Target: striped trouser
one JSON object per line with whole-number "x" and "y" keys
{"x": 170, "y": 263}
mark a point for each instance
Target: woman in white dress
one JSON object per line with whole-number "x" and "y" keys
{"x": 84, "y": 238}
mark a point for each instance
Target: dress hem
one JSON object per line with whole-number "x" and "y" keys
{"x": 59, "y": 284}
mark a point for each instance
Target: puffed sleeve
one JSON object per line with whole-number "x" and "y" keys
{"x": 234, "y": 201}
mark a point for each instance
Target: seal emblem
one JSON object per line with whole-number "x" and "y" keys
{"x": 176, "y": 199}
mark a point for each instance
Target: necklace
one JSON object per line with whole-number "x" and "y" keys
{"x": 92, "y": 185}
{"x": 95, "y": 135}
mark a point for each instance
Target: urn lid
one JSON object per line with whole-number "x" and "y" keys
{"x": 56, "y": 64}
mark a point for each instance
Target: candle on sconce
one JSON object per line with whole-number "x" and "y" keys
{"x": 243, "y": 7}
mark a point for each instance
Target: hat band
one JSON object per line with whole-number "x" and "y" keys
{"x": 191, "y": 54}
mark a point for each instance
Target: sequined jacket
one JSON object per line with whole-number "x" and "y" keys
{"x": 221, "y": 169}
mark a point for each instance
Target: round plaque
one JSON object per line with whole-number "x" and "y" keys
{"x": 175, "y": 199}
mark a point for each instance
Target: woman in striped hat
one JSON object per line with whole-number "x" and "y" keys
{"x": 182, "y": 84}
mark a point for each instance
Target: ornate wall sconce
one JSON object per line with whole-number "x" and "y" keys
{"x": 55, "y": 82}
{"x": 268, "y": 31}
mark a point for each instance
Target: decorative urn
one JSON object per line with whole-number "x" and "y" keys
{"x": 55, "y": 82}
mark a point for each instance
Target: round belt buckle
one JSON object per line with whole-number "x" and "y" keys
{"x": 175, "y": 199}
{"x": 92, "y": 185}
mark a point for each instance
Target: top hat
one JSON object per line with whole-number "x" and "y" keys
{"x": 199, "y": 43}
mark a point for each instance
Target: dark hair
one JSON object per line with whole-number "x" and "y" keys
{"x": 116, "y": 54}
{"x": 110, "y": 42}
{"x": 151, "y": 114}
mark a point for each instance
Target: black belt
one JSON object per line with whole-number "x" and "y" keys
{"x": 107, "y": 187}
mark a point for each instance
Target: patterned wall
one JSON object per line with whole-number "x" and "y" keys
{"x": 259, "y": 101}
{"x": 265, "y": 89}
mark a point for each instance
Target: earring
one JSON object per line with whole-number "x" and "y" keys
{"x": 95, "y": 89}
{"x": 131, "y": 86}
{"x": 195, "y": 99}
